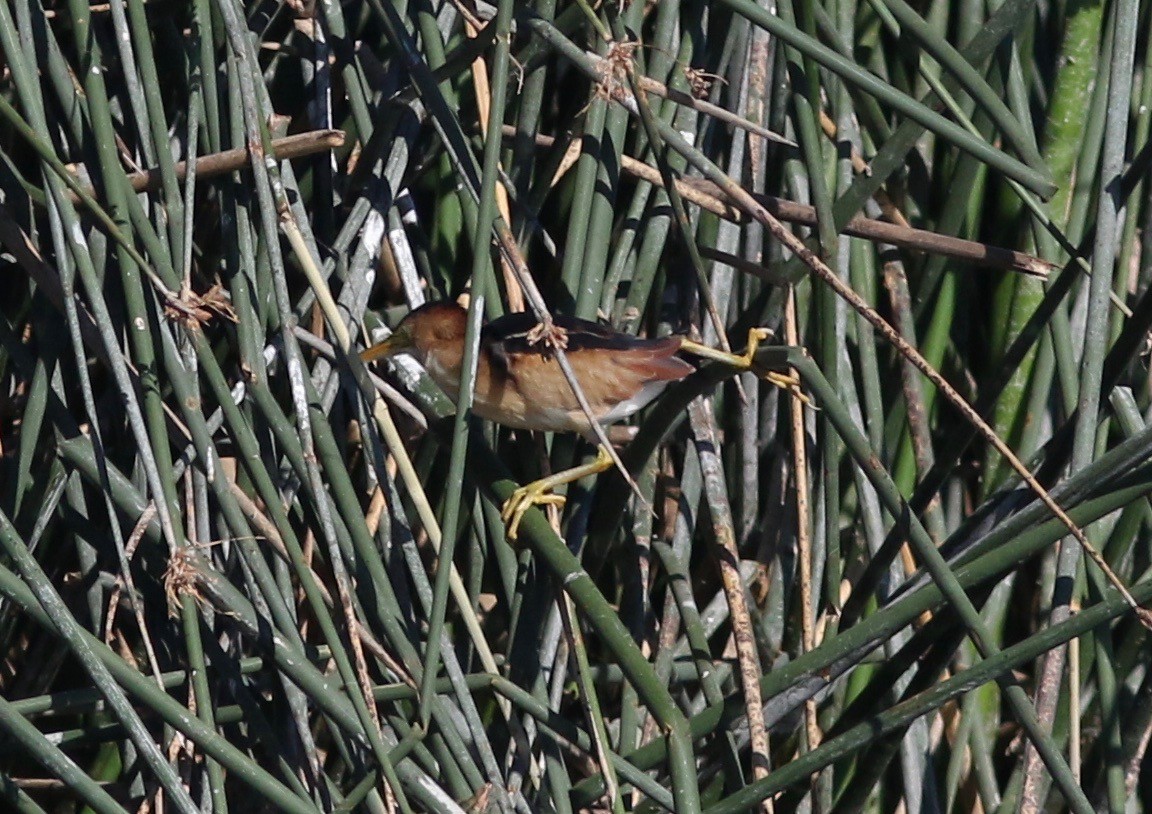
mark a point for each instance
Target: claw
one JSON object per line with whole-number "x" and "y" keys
{"x": 789, "y": 382}
{"x": 785, "y": 381}
{"x": 755, "y": 337}
{"x": 524, "y": 498}
{"x": 539, "y": 493}
{"x": 747, "y": 361}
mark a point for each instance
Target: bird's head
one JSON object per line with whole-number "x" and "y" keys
{"x": 433, "y": 328}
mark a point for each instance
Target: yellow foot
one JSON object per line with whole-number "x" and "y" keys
{"x": 755, "y": 337}
{"x": 740, "y": 361}
{"x": 786, "y": 381}
{"x": 539, "y": 493}
{"x": 536, "y": 493}
{"x": 747, "y": 361}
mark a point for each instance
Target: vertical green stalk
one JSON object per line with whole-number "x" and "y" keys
{"x": 528, "y": 119}
{"x": 481, "y": 273}
{"x": 576, "y": 275}
{"x": 141, "y": 317}
{"x": 1087, "y": 439}
{"x": 173, "y": 207}
{"x": 1017, "y": 297}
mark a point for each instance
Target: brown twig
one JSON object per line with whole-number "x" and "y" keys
{"x": 612, "y": 87}
{"x": 812, "y": 735}
{"x": 703, "y": 424}
{"x": 707, "y": 195}
{"x": 215, "y": 164}
{"x": 820, "y": 269}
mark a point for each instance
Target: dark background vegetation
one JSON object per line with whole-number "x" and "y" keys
{"x": 221, "y": 585}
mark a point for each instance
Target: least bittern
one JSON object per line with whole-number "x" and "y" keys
{"x": 520, "y": 384}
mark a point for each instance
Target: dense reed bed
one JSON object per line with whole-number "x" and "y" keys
{"x": 241, "y": 571}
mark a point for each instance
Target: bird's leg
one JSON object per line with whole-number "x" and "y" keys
{"x": 539, "y": 492}
{"x": 745, "y": 360}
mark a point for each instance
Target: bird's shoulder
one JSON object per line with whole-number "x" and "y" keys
{"x": 513, "y": 334}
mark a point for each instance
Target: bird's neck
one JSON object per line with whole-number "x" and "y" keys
{"x": 444, "y": 368}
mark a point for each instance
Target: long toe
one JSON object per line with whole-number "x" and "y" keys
{"x": 521, "y": 501}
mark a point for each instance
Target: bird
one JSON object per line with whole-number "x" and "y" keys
{"x": 520, "y": 384}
